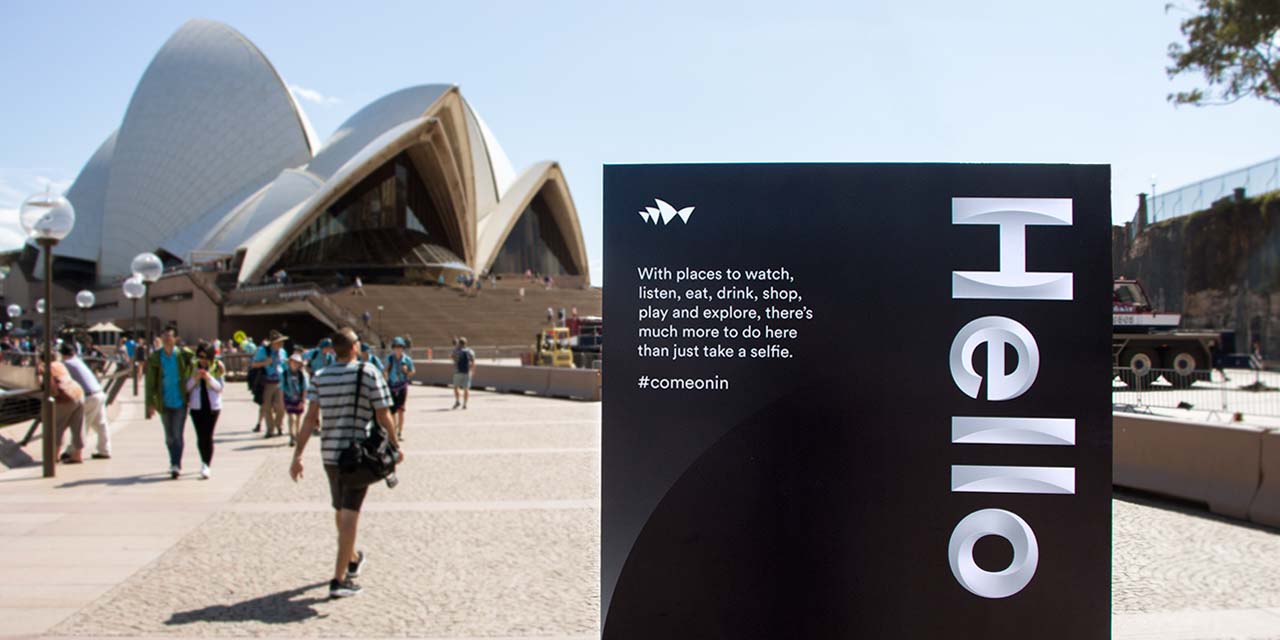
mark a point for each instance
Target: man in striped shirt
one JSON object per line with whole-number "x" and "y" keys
{"x": 343, "y": 411}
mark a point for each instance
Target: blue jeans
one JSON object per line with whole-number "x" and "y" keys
{"x": 173, "y": 420}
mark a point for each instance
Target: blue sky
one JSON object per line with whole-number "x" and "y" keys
{"x": 589, "y": 83}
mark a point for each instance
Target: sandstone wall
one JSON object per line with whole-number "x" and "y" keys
{"x": 1220, "y": 268}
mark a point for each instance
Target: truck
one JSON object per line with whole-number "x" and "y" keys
{"x": 1146, "y": 343}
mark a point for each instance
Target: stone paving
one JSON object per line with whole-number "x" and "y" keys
{"x": 492, "y": 533}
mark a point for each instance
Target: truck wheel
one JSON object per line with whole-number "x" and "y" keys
{"x": 1137, "y": 367}
{"x": 1184, "y": 365}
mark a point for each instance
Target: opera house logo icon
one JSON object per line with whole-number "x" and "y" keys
{"x": 665, "y": 213}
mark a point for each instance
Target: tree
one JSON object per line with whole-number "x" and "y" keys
{"x": 1236, "y": 45}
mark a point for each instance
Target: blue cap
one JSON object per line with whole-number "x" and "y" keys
{"x": 364, "y": 347}
{"x": 399, "y": 342}
{"x": 326, "y": 343}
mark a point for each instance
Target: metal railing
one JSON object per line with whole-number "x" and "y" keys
{"x": 1255, "y": 180}
{"x": 19, "y": 405}
{"x": 1227, "y": 394}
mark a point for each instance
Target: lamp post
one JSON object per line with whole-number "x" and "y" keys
{"x": 85, "y": 300}
{"x": 148, "y": 268}
{"x": 134, "y": 289}
{"x": 381, "y": 338}
{"x": 47, "y": 218}
{"x": 14, "y": 312}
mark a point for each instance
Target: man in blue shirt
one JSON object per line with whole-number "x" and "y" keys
{"x": 399, "y": 370}
{"x": 167, "y": 371}
{"x": 320, "y": 357}
{"x": 270, "y": 357}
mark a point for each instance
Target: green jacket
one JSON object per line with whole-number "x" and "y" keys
{"x": 186, "y": 368}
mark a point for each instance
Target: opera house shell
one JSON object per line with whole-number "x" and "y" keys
{"x": 215, "y": 161}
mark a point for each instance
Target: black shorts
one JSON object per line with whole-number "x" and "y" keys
{"x": 398, "y": 398}
{"x": 342, "y": 496}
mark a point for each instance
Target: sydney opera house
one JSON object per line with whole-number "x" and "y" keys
{"x": 215, "y": 168}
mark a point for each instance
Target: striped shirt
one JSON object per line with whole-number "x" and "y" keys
{"x": 334, "y": 388}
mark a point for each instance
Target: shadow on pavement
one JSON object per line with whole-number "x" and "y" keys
{"x": 117, "y": 482}
{"x": 275, "y": 608}
{"x": 265, "y": 445}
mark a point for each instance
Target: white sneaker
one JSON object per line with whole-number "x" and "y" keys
{"x": 205, "y": 472}
{"x": 174, "y": 471}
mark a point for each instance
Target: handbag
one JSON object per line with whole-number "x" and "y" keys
{"x": 367, "y": 461}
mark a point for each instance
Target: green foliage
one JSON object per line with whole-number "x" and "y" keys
{"x": 1236, "y": 45}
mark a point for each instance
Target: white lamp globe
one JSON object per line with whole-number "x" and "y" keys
{"x": 85, "y": 299}
{"x": 148, "y": 267}
{"x": 40, "y": 305}
{"x": 8, "y": 326}
{"x": 47, "y": 216}
{"x": 133, "y": 288}
{"x": 14, "y": 311}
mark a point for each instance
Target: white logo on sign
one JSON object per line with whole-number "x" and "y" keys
{"x": 664, "y": 213}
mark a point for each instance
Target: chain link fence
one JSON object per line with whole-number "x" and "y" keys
{"x": 1255, "y": 180}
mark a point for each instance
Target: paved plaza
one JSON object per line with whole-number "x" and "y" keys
{"x": 492, "y": 533}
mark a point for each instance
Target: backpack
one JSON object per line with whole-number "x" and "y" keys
{"x": 465, "y": 357}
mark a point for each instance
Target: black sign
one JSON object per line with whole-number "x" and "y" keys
{"x": 857, "y": 401}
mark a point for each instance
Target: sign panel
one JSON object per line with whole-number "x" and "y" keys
{"x": 857, "y": 401}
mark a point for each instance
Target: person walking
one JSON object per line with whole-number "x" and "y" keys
{"x": 367, "y": 355}
{"x": 319, "y": 357}
{"x": 399, "y": 370}
{"x": 68, "y": 410}
{"x": 95, "y": 400}
{"x": 294, "y": 384}
{"x": 464, "y": 362}
{"x": 334, "y": 391}
{"x": 204, "y": 396}
{"x": 168, "y": 369}
{"x": 270, "y": 358}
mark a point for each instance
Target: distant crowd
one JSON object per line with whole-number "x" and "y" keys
{"x": 182, "y": 382}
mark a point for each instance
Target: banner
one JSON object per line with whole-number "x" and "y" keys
{"x": 857, "y": 401}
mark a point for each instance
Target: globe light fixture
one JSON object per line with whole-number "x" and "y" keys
{"x": 40, "y": 305}
{"x": 47, "y": 218}
{"x": 134, "y": 288}
{"x": 147, "y": 266}
{"x": 14, "y": 311}
{"x": 85, "y": 300}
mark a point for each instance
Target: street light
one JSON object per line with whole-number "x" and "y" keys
{"x": 14, "y": 312}
{"x": 134, "y": 289}
{"x": 148, "y": 268}
{"x": 47, "y": 218}
{"x": 85, "y": 299}
{"x": 381, "y": 337}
